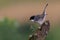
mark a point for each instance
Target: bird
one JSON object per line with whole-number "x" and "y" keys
{"x": 39, "y": 18}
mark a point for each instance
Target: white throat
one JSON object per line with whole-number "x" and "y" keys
{"x": 32, "y": 20}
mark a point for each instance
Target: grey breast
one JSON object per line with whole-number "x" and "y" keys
{"x": 38, "y": 17}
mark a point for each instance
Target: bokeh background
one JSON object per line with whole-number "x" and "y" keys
{"x": 21, "y": 10}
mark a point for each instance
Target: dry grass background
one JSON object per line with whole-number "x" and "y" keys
{"x": 22, "y": 11}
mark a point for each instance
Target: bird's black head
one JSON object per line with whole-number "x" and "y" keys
{"x": 32, "y": 18}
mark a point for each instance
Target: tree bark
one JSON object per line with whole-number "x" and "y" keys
{"x": 40, "y": 34}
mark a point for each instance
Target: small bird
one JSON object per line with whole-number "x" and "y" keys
{"x": 39, "y": 18}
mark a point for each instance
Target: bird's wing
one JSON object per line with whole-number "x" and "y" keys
{"x": 37, "y": 17}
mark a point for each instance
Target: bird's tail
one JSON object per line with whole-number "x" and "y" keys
{"x": 45, "y": 8}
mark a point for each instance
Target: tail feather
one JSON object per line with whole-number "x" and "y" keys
{"x": 45, "y": 8}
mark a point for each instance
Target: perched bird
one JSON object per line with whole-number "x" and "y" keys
{"x": 40, "y": 33}
{"x": 39, "y": 18}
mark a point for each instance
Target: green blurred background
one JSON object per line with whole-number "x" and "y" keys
{"x": 21, "y": 10}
